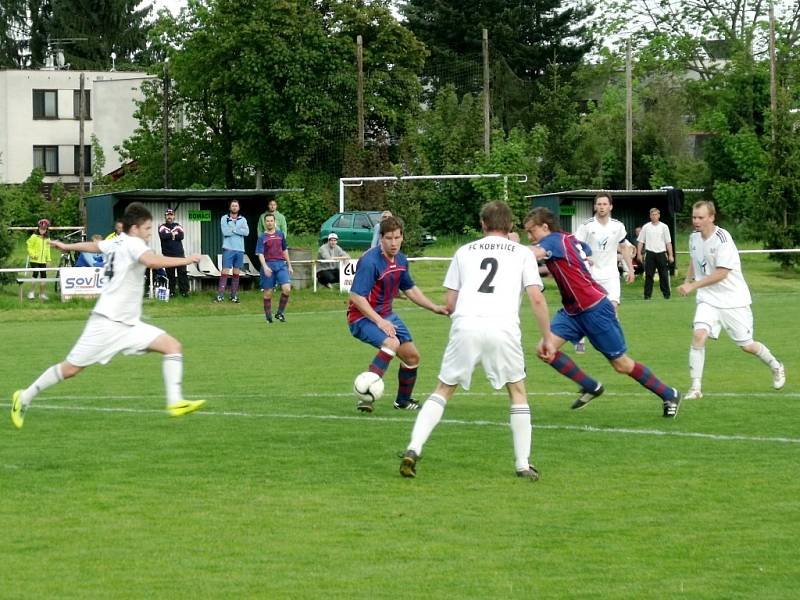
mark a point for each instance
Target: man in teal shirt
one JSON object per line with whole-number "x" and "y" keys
{"x": 280, "y": 220}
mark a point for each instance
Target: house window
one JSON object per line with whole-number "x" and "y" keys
{"x": 46, "y": 157}
{"x": 45, "y": 104}
{"x": 76, "y": 104}
{"x": 87, "y": 160}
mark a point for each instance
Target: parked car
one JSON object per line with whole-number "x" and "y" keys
{"x": 354, "y": 229}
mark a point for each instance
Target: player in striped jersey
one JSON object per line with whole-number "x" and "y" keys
{"x": 587, "y": 312}
{"x": 723, "y": 298}
{"x": 381, "y": 273}
{"x": 276, "y": 267}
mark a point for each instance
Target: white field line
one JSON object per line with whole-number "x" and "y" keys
{"x": 458, "y": 422}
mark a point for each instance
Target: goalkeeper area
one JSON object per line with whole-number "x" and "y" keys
{"x": 278, "y": 488}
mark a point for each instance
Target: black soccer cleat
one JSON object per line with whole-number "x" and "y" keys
{"x": 587, "y": 396}
{"x": 408, "y": 466}
{"x": 410, "y": 405}
{"x": 529, "y": 473}
{"x": 671, "y": 406}
{"x": 279, "y": 316}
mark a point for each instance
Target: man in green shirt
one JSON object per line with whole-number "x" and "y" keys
{"x": 280, "y": 220}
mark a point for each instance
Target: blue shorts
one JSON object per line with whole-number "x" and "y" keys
{"x": 232, "y": 259}
{"x": 599, "y": 324}
{"x": 280, "y": 274}
{"x": 366, "y": 331}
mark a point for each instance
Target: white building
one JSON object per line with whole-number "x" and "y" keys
{"x": 39, "y": 120}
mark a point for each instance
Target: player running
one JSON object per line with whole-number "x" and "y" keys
{"x": 587, "y": 312}
{"x": 276, "y": 267}
{"x": 723, "y": 298}
{"x": 381, "y": 273}
{"x": 115, "y": 325}
{"x": 484, "y": 283}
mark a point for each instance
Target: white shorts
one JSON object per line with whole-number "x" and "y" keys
{"x": 102, "y": 339}
{"x": 611, "y": 286}
{"x": 496, "y": 345}
{"x": 737, "y": 322}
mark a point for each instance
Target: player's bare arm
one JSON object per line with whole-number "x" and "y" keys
{"x": 264, "y": 267}
{"x": 417, "y": 297}
{"x": 288, "y": 262}
{"x": 363, "y": 306}
{"x": 76, "y": 247}
{"x": 450, "y": 299}
{"x": 151, "y": 260}
{"x": 718, "y": 275}
{"x": 626, "y": 249}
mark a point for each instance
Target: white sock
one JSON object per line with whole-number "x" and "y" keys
{"x": 765, "y": 355}
{"x": 172, "y": 368}
{"x": 47, "y": 379}
{"x": 697, "y": 361}
{"x": 429, "y": 416}
{"x": 520, "y": 421}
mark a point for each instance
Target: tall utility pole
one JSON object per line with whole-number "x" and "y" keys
{"x": 81, "y": 155}
{"x": 773, "y": 92}
{"x": 360, "y": 89}
{"x": 487, "y": 124}
{"x": 628, "y": 119}
{"x": 165, "y": 123}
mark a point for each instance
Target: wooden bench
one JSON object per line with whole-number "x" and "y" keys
{"x": 23, "y": 280}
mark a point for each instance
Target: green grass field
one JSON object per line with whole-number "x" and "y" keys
{"x": 279, "y": 489}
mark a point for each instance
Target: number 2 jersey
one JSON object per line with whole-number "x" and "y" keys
{"x": 718, "y": 251}
{"x": 566, "y": 261}
{"x": 489, "y": 275}
{"x": 121, "y": 297}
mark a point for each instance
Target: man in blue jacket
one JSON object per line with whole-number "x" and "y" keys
{"x": 234, "y": 230}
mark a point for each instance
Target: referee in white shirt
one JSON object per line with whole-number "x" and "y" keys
{"x": 655, "y": 251}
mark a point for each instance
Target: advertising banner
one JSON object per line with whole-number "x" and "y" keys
{"x": 80, "y": 281}
{"x": 347, "y": 270}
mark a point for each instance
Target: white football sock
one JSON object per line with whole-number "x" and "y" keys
{"x": 520, "y": 421}
{"x": 429, "y": 416}
{"x": 765, "y": 355}
{"x": 172, "y": 368}
{"x": 697, "y": 361}
{"x": 47, "y": 379}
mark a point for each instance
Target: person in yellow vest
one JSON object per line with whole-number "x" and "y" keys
{"x": 117, "y": 230}
{"x": 39, "y": 255}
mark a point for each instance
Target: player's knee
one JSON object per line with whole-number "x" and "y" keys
{"x": 392, "y": 344}
{"x": 623, "y": 364}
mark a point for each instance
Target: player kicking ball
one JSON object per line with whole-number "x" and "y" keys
{"x": 723, "y": 298}
{"x": 381, "y": 273}
{"x": 586, "y": 311}
{"x": 484, "y": 283}
{"x": 115, "y": 324}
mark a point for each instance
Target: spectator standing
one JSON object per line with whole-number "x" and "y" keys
{"x": 115, "y": 325}
{"x": 723, "y": 298}
{"x": 586, "y": 311}
{"x": 172, "y": 234}
{"x": 276, "y": 267}
{"x": 118, "y": 228}
{"x": 380, "y": 274}
{"x": 91, "y": 259}
{"x": 328, "y": 252}
{"x": 484, "y": 283}
{"x": 656, "y": 239}
{"x": 280, "y": 219}
{"x": 234, "y": 230}
{"x": 38, "y": 246}
{"x": 376, "y": 230}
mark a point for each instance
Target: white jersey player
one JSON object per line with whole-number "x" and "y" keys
{"x": 723, "y": 298}
{"x": 115, "y": 324}
{"x": 484, "y": 283}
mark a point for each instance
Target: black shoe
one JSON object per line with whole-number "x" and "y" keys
{"x": 235, "y": 299}
{"x": 410, "y": 405}
{"x": 269, "y": 317}
{"x": 408, "y": 466}
{"x": 529, "y": 473}
{"x": 280, "y": 317}
{"x": 219, "y": 298}
{"x": 587, "y": 396}
{"x": 365, "y": 406}
{"x": 671, "y": 407}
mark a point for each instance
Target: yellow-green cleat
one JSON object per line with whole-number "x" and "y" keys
{"x": 17, "y": 409}
{"x": 184, "y": 407}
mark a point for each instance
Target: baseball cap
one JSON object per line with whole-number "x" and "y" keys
{"x": 169, "y": 211}
{"x": 333, "y": 236}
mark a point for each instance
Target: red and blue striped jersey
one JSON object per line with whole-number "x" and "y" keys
{"x": 271, "y": 245}
{"x": 379, "y": 280}
{"x": 566, "y": 261}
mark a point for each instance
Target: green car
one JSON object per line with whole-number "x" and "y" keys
{"x": 354, "y": 228}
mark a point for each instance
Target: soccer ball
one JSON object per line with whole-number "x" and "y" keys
{"x": 368, "y": 386}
